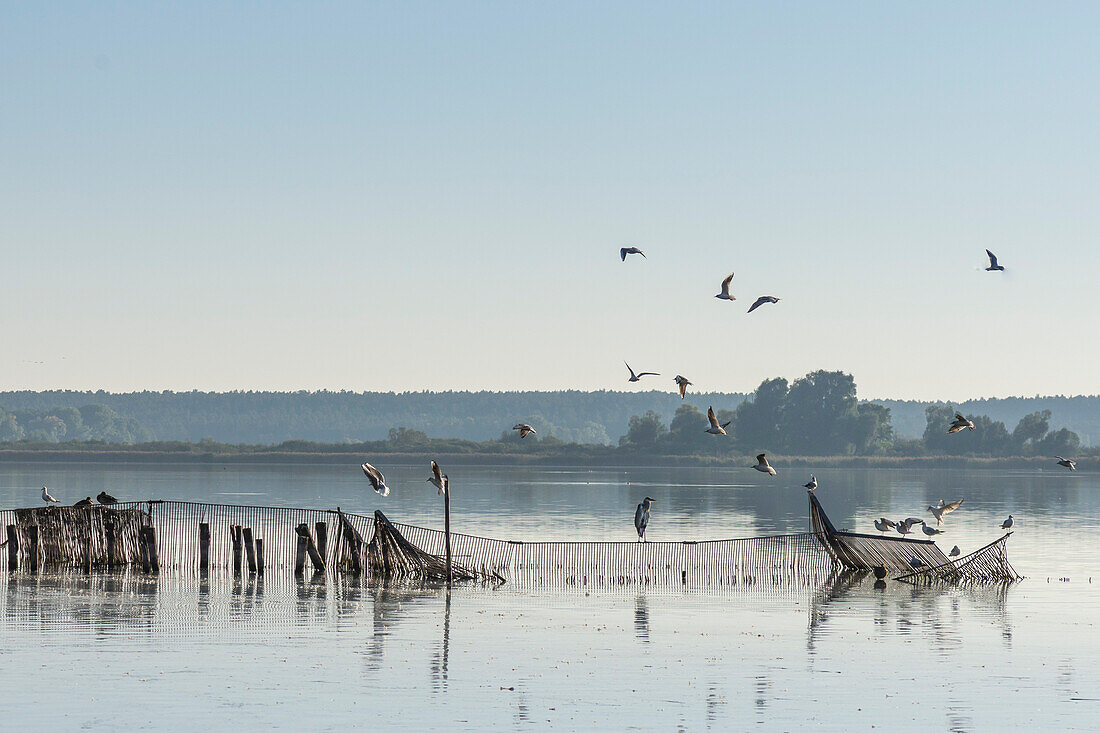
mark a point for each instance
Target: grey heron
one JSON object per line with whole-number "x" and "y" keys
{"x": 641, "y": 517}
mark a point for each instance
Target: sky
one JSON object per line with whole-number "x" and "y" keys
{"x": 409, "y": 196}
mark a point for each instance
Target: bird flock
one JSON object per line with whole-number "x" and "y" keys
{"x": 642, "y": 512}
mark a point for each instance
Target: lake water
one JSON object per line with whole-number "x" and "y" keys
{"x": 119, "y": 651}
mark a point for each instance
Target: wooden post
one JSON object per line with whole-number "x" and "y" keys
{"x": 322, "y": 538}
{"x": 249, "y": 549}
{"x": 13, "y": 548}
{"x": 143, "y": 550}
{"x": 300, "y": 555}
{"x": 259, "y": 556}
{"x": 151, "y": 541}
{"x": 314, "y": 556}
{"x": 88, "y": 541}
{"x": 204, "y": 546}
{"x": 32, "y": 547}
{"x": 235, "y": 539}
{"x": 112, "y": 550}
{"x": 447, "y": 524}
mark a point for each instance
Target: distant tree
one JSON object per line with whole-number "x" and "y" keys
{"x": 645, "y": 431}
{"x": 868, "y": 431}
{"x": 10, "y": 430}
{"x": 687, "y": 431}
{"x": 1030, "y": 430}
{"x": 403, "y": 439}
{"x": 990, "y": 437}
{"x": 758, "y": 419}
{"x": 1062, "y": 442}
{"x": 817, "y": 412}
{"x": 938, "y": 419}
{"x": 46, "y": 428}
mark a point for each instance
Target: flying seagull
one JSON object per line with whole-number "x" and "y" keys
{"x": 47, "y": 498}
{"x": 683, "y": 384}
{"x": 930, "y": 531}
{"x": 763, "y": 466}
{"x": 913, "y": 520}
{"x": 104, "y": 498}
{"x": 993, "y": 266}
{"x": 955, "y": 551}
{"x": 1007, "y": 524}
{"x": 761, "y": 301}
{"x": 630, "y": 251}
{"x": 524, "y": 429}
{"x": 960, "y": 424}
{"x": 715, "y": 428}
{"x": 84, "y": 502}
{"x": 438, "y": 479}
{"x": 725, "y": 294}
{"x": 946, "y": 508}
{"x": 812, "y": 483}
{"x": 1067, "y": 462}
{"x": 377, "y": 480}
{"x": 638, "y": 377}
{"x": 641, "y": 517}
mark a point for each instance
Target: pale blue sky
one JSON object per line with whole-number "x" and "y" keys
{"x": 407, "y": 196}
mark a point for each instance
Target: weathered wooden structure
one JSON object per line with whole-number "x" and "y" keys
{"x": 171, "y": 535}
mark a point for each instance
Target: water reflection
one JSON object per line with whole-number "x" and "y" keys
{"x": 641, "y": 618}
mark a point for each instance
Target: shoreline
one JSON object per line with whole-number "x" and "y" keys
{"x": 622, "y": 460}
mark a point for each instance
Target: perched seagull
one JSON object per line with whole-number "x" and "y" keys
{"x": 638, "y": 377}
{"x": 46, "y": 496}
{"x": 913, "y": 520}
{"x": 1007, "y": 524}
{"x": 438, "y": 480}
{"x": 902, "y": 527}
{"x": 959, "y": 424}
{"x": 812, "y": 484}
{"x": 763, "y": 466}
{"x": 524, "y": 429}
{"x": 84, "y": 502}
{"x": 715, "y": 428}
{"x": 883, "y": 524}
{"x": 761, "y": 301}
{"x": 930, "y": 531}
{"x": 377, "y": 480}
{"x": 725, "y": 294}
{"x": 683, "y": 384}
{"x": 993, "y": 266}
{"x": 630, "y": 251}
{"x": 104, "y": 498}
{"x": 1067, "y": 462}
{"x": 955, "y": 551}
{"x": 641, "y": 517}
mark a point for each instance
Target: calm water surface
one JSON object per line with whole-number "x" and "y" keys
{"x": 104, "y": 652}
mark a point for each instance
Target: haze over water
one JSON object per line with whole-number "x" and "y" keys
{"x": 114, "y": 651}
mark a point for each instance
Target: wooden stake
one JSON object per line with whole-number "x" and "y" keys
{"x": 32, "y": 547}
{"x": 151, "y": 543}
{"x": 447, "y": 526}
{"x": 112, "y": 550}
{"x": 235, "y": 539}
{"x": 259, "y": 556}
{"x": 322, "y": 538}
{"x": 204, "y": 546}
{"x": 299, "y": 558}
{"x": 249, "y": 549}
{"x": 13, "y": 548}
{"x": 143, "y": 550}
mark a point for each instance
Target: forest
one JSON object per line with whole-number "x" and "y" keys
{"x": 819, "y": 414}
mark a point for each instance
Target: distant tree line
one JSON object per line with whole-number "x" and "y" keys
{"x": 71, "y": 424}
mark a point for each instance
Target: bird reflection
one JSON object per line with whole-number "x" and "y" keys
{"x": 441, "y": 658}
{"x": 641, "y": 618}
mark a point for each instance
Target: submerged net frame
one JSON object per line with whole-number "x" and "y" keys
{"x": 72, "y": 536}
